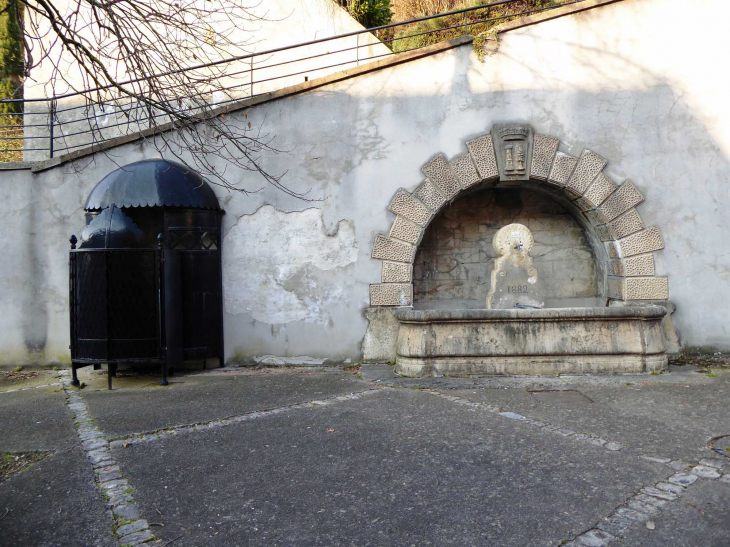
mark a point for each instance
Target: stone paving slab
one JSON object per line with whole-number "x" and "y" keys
{"x": 205, "y": 397}
{"x": 674, "y": 419}
{"x": 36, "y": 419}
{"x": 701, "y": 517}
{"x": 55, "y": 503}
{"x": 399, "y": 467}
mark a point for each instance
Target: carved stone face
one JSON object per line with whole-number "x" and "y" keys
{"x": 513, "y": 238}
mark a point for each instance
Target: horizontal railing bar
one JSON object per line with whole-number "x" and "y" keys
{"x": 276, "y": 50}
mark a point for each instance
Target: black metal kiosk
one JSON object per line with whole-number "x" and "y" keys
{"x": 145, "y": 281}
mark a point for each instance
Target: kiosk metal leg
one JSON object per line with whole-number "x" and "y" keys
{"x": 74, "y": 377}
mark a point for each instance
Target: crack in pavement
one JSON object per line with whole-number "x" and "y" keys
{"x": 167, "y": 432}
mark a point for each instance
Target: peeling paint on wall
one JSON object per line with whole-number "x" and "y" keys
{"x": 271, "y": 261}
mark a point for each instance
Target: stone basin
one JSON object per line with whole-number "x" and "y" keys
{"x": 530, "y": 341}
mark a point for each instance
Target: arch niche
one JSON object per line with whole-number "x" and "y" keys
{"x": 512, "y": 156}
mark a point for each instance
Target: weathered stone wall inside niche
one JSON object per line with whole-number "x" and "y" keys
{"x": 455, "y": 258}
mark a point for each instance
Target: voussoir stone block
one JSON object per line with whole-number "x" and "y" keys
{"x": 405, "y": 205}
{"x": 612, "y": 249}
{"x": 405, "y": 230}
{"x": 633, "y": 266}
{"x": 626, "y": 224}
{"x": 438, "y": 172}
{"x": 645, "y": 241}
{"x": 563, "y": 166}
{"x": 623, "y": 199}
{"x": 385, "y": 248}
{"x": 597, "y": 192}
{"x": 397, "y": 272}
{"x": 429, "y": 194}
{"x": 543, "y": 152}
{"x": 587, "y": 169}
{"x": 391, "y": 294}
{"x": 465, "y": 171}
{"x": 604, "y": 232}
{"x": 646, "y": 288}
{"x": 481, "y": 150}
{"x": 596, "y": 217}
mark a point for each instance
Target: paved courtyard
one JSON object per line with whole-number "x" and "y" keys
{"x": 331, "y": 457}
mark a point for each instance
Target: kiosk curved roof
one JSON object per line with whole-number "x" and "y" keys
{"x": 152, "y": 183}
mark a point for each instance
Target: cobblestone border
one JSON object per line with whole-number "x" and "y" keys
{"x": 165, "y": 433}
{"x": 129, "y": 527}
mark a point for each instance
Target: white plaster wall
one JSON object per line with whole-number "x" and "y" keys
{"x": 631, "y": 81}
{"x": 282, "y": 23}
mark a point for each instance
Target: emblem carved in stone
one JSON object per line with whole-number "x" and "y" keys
{"x": 514, "y": 277}
{"x": 513, "y": 147}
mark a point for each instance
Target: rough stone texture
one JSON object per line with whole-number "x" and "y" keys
{"x": 405, "y": 230}
{"x": 638, "y": 288}
{"x": 562, "y": 168}
{"x": 647, "y": 288}
{"x": 385, "y": 248}
{"x": 455, "y": 258}
{"x": 597, "y": 192}
{"x": 438, "y": 172}
{"x": 626, "y": 224}
{"x": 482, "y": 153}
{"x": 465, "y": 171}
{"x": 634, "y": 266}
{"x": 595, "y": 217}
{"x": 429, "y": 194}
{"x": 552, "y": 341}
{"x": 612, "y": 249}
{"x": 397, "y": 272}
{"x": 514, "y": 279}
{"x": 543, "y": 152}
{"x": 378, "y": 345}
{"x": 623, "y": 199}
{"x": 646, "y": 241}
{"x": 405, "y": 205}
{"x": 588, "y": 167}
{"x": 391, "y": 294}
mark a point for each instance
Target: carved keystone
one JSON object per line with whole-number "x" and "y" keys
{"x": 513, "y": 149}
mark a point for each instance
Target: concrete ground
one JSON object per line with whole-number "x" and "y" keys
{"x": 328, "y": 457}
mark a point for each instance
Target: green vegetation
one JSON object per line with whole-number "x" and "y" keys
{"x": 369, "y": 13}
{"x": 13, "y": 463}
{"x": 11, "y": 74}
{"x": 476, "y": 23}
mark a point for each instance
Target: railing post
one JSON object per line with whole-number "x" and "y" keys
{"x": 357, "y": 49}
{"x": 52, "y": 113}
{"x": 466, "y": 22}
{"x": 250, "y": 79}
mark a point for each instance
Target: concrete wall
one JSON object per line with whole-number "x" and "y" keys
{"x": 455, "y": 258}
{"x": 630, "y": 80}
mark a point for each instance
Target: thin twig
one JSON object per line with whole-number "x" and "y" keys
{"x": 6, "y": 513}
{"x": 168, "y": 543}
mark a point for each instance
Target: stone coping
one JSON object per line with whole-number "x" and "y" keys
{"x": 408, "y": 315}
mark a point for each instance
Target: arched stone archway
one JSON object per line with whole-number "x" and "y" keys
{"x": 512, "y": 156}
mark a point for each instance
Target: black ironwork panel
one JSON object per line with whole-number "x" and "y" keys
{"x": 201, "y": 304}
{"x": 132, "y": 303}
{"x": 88, "y": 306}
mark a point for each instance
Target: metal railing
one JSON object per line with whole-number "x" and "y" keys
{"x": 59, "y": 124}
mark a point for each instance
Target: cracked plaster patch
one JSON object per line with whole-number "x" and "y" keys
{"x": 271, "y": 259}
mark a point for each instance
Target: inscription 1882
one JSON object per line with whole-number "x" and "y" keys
{"x": 520, "y": 289}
